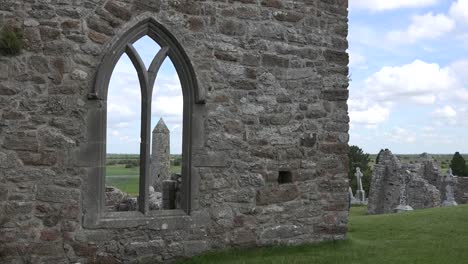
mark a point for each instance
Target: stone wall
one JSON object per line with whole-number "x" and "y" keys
{"x": 461, "y": 190}
{"x": 387, "y": 180}
{"x": 275, "y": 76}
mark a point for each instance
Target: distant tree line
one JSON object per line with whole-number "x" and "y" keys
{"x": 132, "y": 161}
{"x": 129, "y": 163}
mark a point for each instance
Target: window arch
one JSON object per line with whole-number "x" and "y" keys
{"x": 192, "y": 95}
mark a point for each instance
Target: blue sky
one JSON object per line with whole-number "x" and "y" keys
{"x": 123, "y": 116}
{"x": 408, "y": 89}
{"x": 409, "y": 75}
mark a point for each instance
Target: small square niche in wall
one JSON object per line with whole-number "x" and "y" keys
{"x": 284, "y": 177}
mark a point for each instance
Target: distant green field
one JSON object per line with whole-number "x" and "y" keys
{"x": 127, "y": 179}
{"x": 442, "y": 159}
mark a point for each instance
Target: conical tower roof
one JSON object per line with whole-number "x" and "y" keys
{"x": 161, "y": 127}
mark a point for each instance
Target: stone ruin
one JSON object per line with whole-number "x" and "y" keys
{"x": 265, "y": 127}
{"x": 160, "y": 156}
{"x": 164, "y": 190}
{"x": 397, "y": 186}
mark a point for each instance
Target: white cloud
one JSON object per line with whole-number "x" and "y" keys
{"x": 121, "y": 110}
{"x": 122, "y": 125}
{"x": 128, "y": 139}
{"x": 445, "y": 112}
{"x": 460, "y": 68}
{"x": 428, "y": 26}
{"x": 428, "y": 129}
{"x": 124, "y": 106}
{"x": 399, "y": 134}
{"x": 168, "y": 105}
{"x": 369, "y": 115}
{"x": 459, "y": 11}
{"x": 462, "y": 40}
{"x": 356, "y": 59}
{"x": 419, "y": 82}
{"x": 454, "y": 116}
{"x": 382, "y": 5}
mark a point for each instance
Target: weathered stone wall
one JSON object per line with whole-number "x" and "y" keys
{"x": 275, "y": 73}
{"x": 461, "y": 190}
{"x": 387, "y": 179}
{"x": 384, "y": 190}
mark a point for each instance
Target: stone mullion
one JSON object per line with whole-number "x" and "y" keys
{"x": 146, "y": 79}
{"x": 156, "y": 65}
{"x": 145, "y": 144}
{"x": 145, "y": 127}
{"x": 146, "y": 123}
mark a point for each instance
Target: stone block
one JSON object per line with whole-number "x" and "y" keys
{"x": 337, "y": 57}
{"x": 244, "y": 238}
{"x": 98, "y": 37}
{"x": 271, "y": 60}
{"x": 49, "y": 235}
{"x": 288, "y": 16}
{"x": 272, "y": 3}
{"x": 7, "y": 91}
{"x": 281, "y": 232}
{"x": 24, "y": 140}
{"x": 231, "y": 28}
{"x": 118, "y": 9}
{"x": 50, "y": 193}
{"x": 335, "y": 95}
{"x": 209, "y": 159}
{"x": 148, "y": 5}
{"x": 192, "y": 248}
{"x": 41, "y": 158}
{"x": 49, "y": 33}
{"x": 277, "y": 194}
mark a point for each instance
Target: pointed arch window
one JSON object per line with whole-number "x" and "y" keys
{"x": 94, "y": 213}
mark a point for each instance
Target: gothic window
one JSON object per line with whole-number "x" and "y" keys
{"x": 178, "y": 189}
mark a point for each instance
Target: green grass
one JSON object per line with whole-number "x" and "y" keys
{"x": 119, "y": 170}
{"x": 432, "y": 236}
{"x": 127, "y": 179}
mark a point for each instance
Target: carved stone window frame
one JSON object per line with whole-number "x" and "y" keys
{"x": 94, "y": 213}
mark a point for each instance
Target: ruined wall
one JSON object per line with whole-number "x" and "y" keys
{"x": 388, "y": 177}
{"x": 461, "y": 190}
{"x": 384, "y": 189}
{"x": 275, "y": 74}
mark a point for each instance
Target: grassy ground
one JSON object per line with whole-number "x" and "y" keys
{"x": 432, "y": 236}
{"x": 127, "y": 179}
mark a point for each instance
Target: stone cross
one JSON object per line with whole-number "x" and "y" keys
{"x": 359, "y": 175}
{"x": 160, "y": 156}
{"x": 403, "y": 206}
{"x": 360, "y": 193}
{"x": 403, "y": 194}
{"x": 449, "y": 195}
